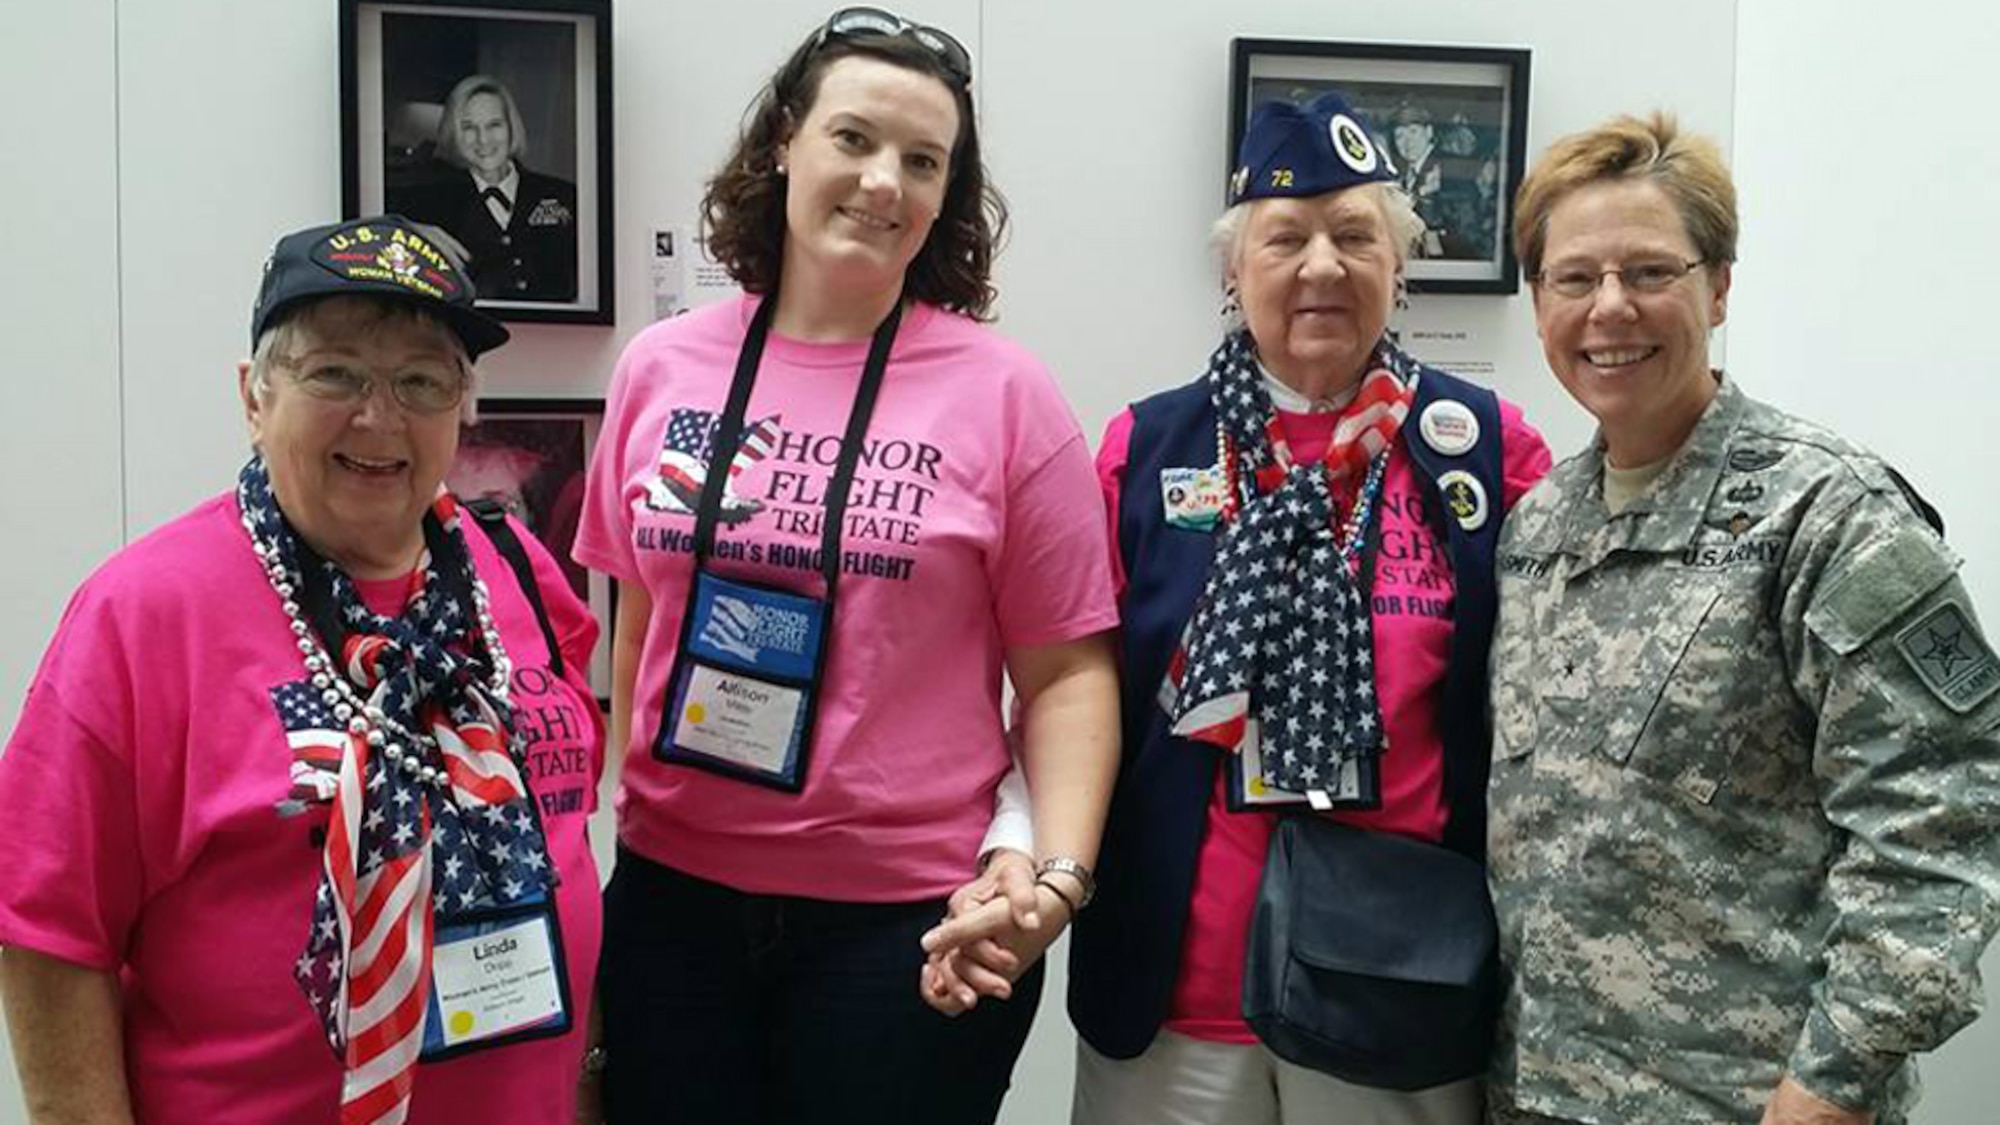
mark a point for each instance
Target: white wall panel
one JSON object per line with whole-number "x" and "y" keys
{"x": 60, "y": 411}
{"x": 1864, "y": 298}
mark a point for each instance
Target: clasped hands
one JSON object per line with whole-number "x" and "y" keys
{"x": 995, "y": 928}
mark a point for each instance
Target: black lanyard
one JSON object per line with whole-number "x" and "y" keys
{"x": 729, "y": 438}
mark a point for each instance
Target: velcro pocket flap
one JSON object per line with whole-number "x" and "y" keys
{"x": 1868, "y": 594}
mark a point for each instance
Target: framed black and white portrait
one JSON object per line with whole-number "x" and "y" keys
{"x": 491, "y": 123}
{"x": 530, "y": 455}
{"x": 1453, "y": 120}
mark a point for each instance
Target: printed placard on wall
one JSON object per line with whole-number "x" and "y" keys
{"x": 1453, "y": 120}
{"x": 489, "y": 124}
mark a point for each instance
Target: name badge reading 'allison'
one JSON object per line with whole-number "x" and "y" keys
{"x": 496, "y": 981}
{"x": 743, "y": 690}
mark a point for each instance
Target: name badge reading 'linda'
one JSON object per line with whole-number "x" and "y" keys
{"x": 745, "y": 684}
{"x": 495, "y": 982}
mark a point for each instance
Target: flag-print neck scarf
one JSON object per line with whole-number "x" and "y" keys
{"x": 1282, "y": 626}
{"x": 430, "y": 818}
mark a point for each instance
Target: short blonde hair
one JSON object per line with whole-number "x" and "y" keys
{"x": 1687, "y": 167}
{"x": 468, "y": 88}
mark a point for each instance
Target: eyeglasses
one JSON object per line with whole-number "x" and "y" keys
{"x": 1653, "y": 275}
{"x": 421, "y": 388}
{"x": 873, "y": 23}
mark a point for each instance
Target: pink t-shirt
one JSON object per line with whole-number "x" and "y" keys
{"x": 1412, "y": 607}
{"x": 140, "y": 792}
{"x": 973, "y": 527}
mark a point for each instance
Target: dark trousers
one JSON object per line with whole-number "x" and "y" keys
{"x": 725, "y": 1008}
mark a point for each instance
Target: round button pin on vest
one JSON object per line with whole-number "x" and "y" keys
{"x": 1464, "y": 497}
{"x": 1449, "y": 427}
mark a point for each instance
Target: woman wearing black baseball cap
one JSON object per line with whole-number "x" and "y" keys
{"x": 274, "y": 835}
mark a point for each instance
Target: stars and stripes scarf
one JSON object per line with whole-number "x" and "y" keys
{"x": 404, "y": 849}
{"x": 1282, "y": 629}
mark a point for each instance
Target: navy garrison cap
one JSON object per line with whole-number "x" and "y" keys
{"x": 385, "y": 255}
{"x": 1291, "y": 151}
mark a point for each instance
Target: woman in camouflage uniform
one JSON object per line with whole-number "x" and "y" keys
{"x": 1743, "y": 800}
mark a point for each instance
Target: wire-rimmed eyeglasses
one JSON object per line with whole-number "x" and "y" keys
{"x": 1647, "y": 275}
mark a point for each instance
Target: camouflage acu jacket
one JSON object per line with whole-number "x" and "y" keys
{"x": 1746, "y": 782}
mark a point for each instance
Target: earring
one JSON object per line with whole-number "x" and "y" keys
{"x": 1402, "y": 293}
{"x": 781, "y": 169}
{"x": 1231, "y": 307}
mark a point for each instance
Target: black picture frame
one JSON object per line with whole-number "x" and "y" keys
{"x": 1465, "y": 110}
{"x": 550, "y": 60}
{"x": 531, "y": 455}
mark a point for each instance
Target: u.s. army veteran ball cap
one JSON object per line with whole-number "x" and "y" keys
{"x": 382, "y": 254}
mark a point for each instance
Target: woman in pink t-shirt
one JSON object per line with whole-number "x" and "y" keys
{"x": 838, "y": 510}
{"x": 1304, "y": 547}
{"x": 295, "y": 806}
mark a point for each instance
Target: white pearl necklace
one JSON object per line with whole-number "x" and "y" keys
{"x": 416, "y": 753}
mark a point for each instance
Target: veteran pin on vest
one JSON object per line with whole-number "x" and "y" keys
{"x": 1465, "y": 498}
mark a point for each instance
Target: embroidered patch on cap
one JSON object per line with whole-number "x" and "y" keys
{"x": 1951, "y": 658}
{"x": 1351, "y": 141}
{"x": 391, "y": 255}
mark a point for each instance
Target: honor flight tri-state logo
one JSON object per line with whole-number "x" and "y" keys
{"x": 774, "y": 495}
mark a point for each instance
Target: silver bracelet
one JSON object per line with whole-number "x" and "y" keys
{"x": 1065, "y": 865}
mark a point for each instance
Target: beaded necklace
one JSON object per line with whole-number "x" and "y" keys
{"x": 415, "y": 752}
{"x": 1352, "y": 531}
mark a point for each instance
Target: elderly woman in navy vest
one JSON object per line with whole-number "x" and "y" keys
{"x": 1304, "y": 536}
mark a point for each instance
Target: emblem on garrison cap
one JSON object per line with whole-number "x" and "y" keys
{"x": 1351, "y": 142}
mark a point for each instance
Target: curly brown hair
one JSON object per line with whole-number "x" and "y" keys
{"x": 743, "y": 208}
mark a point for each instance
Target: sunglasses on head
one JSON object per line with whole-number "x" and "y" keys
{"x": 874, "y": 23}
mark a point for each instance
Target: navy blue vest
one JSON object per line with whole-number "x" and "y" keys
{"x": 1125, "y": 950}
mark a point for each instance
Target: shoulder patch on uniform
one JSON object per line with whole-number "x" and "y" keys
{"x": 1873, "y": 591}
{"x": 1951, "y": 658}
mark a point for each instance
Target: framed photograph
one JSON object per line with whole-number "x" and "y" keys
{"x": 530, "y": 455}
{"x": 1452, "y": 120}
{"x": 490, "y": 123}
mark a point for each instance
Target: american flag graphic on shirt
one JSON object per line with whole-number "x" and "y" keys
{"x": 684, "y": 462}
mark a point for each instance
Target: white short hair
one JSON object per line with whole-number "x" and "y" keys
{"x": 275, "y": 339}
{"x": 1406, "y": 227}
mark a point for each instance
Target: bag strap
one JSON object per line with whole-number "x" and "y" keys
{"x": 492, "y": 517}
